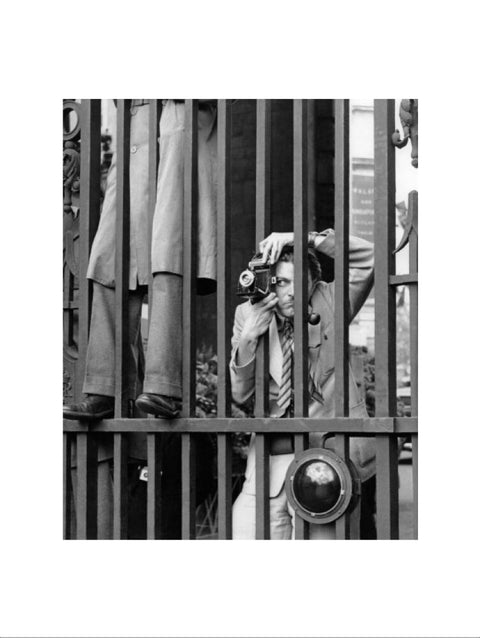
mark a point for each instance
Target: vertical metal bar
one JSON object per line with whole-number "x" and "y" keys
{"x": 262, "y": 229}
{"x": 155, "y": 110}
{"x": 342, "y": 524}
{"x": 190, "y": 234}
{"x": 385, "y": 310}
{"x": 300, "y": 230}
{"x": 89, "y": 217}
{"x": 262, "y": 487}
{"x": 302, "y": 528}
{"x": 120, "y": 495}
{"x": 262, "y": 365}
{"x": 224, "y": 312}
{"x": 224, "y": 297}
{"x": 122, "y": 257}
{"x": 415, "y": 483}
{"x": 413, "y": 292}
{"x": 224, "y": 315}
{"x": 311, "y": 164}
{"x": 347, "y": 527}
{"x": 224, "y": 465}
{"x": 154, "y": 502}
{"x": 154, "y": 441}
{"x": 342, "y": 303}
{"x": 188, "y": 486}
{"x": 385, "y": 317}
{"x": 387, "y": 487}
{"x": 67, "y": 486}
{"x": 87, "y": 480}
{"x": 342, "y": 232}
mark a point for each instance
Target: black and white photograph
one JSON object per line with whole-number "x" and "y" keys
{"x": 247, "y": 313}
{"x": 240, "y": 319}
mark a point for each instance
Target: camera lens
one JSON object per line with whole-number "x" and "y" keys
{"x": 246, "y": 278}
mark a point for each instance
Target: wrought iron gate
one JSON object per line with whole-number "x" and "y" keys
{"x": 82, "y": 179}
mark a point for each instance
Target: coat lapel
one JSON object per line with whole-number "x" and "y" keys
{"x": 314, "y": 342}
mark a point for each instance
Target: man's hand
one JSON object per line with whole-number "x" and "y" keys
{"x": 255, "y": 326}
{"x": 272, "y": 246}
{"x": 259, "y": 318}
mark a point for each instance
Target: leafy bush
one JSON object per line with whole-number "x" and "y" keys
{"x": 206, "y": 403}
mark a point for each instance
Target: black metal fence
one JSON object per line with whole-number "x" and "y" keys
{"x": 386, "y": 426}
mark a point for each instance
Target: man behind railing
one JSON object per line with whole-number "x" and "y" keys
{"x": 275, "y": 313}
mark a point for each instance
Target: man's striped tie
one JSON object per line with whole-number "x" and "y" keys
{"x": 285, "y": 392}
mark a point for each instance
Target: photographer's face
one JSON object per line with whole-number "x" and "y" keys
{"x": 284, "y": 273}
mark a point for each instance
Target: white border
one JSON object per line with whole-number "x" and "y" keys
{"x": 248, "y": 49}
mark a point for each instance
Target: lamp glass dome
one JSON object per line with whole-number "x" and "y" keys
{"x": 317, "y": 486}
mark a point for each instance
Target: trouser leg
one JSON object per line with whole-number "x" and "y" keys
{"x": 243, "y": 518}
{"x": 282, "y": 520}
{"x": 163, "y": 369}
{"x": 100, "y": 359}
{"x": 368, "y": 530}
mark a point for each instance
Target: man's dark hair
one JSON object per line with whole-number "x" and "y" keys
{"x": 313, "y": 264}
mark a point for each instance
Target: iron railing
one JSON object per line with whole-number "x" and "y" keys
{"x": 385, "y": 426}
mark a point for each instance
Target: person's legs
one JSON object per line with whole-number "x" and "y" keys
{"x": 99, "y": 381}
{"x": 316, "y": 532}
{"x": 281, "y": 522}
{"x": 100, "y": 359}
{"x": 163, "y": 369}
{"x": 243, "y": 518}
{"x": 368, "y": 529}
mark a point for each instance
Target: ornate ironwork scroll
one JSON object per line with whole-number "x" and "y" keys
{"x": 72, "y": 130}
{"x": 410, "y": 222}
{"x": 71, "y": 154}
{"x": 71, "y": 191}
{"x": 409, "y": 120}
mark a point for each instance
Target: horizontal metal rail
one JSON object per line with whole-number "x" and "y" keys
{"x": 402, "y": 280}
{"x": 298, "y": 425}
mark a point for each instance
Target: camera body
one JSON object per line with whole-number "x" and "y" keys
{"x": 257, "y": 281}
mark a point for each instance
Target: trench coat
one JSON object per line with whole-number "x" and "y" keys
{"x": 321, "y": 364}
{"x": 167, "y": 232}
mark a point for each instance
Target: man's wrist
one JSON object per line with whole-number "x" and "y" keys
{"x": 249, "y": 339}
{"x": 246, "y": 351}
{"x": 315, "y": 240}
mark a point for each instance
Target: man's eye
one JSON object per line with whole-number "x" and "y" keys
{"x": 280, "y": 283}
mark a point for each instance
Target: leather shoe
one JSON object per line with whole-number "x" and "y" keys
{"x": 93, "y": 408}
{"x": 159, "y": 405}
